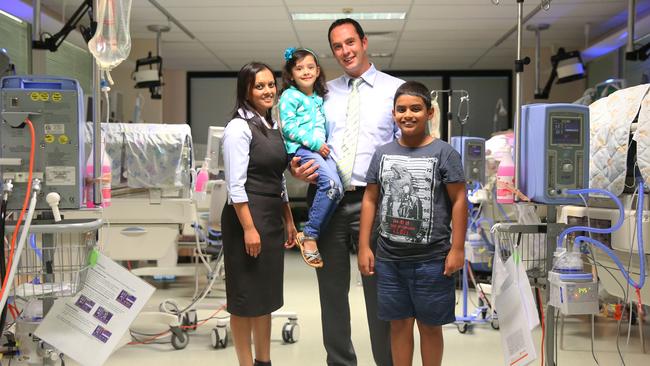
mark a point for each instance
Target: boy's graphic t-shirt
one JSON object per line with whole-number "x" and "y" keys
{"x": 414, "y": 209}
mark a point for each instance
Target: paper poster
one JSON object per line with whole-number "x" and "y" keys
{"x": 88, "y": 326}
{"x": 512, "y": 297}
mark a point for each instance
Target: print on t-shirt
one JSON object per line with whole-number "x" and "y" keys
{"x": 407, "y": 206}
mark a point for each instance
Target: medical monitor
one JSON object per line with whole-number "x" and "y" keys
{"x": 215, "y": 136}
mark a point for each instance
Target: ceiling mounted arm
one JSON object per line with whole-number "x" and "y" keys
{"x": 53, "y": 42}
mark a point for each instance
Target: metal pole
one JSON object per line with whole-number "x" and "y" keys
{"x": 97, "y": 131}
{"x": 631, "y": 15}
{"x": 552, "y": 231}
{"x": 518, "y": 80}
{"x": 36, "y": 30}
{"x": 158, "y": 37}
{"x": 450, "y": 116}
{"x": 538, "y": 52}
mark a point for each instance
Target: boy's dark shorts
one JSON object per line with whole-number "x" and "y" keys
{"x": 417, "y": 290}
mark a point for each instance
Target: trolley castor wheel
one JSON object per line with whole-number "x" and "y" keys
{"x": 495, "y": 324}
{"x": 462, "y": 327}
{"x": 290, "y": 332}
{"x": 180, "y": 338}
{"x": 190, "y": 320}
{"x": 219, "y": 337}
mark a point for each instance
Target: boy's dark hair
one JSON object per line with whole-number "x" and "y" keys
{"x": 342, "y": 21}
{"x": 245, "y": 83}
{"x": 416, "y": 89}
{"x": 320, "y": 86}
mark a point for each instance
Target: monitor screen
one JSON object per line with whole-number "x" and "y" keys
{"x": 475, "y": 151}
{"x": 215, "y": 134}
{"x": 566, "y": 130}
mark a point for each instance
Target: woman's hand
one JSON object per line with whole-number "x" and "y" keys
{"x": 292, "y": 233}
{"x": 252, "y": 242}
{"x": 304, "y": 172}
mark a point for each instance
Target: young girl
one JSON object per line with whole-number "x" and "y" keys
{"x": 303, "y": 127}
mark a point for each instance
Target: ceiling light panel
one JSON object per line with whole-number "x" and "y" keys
{"x": 356, "y": 16}
{"x": 203, "y": 3}
{"x": 220, "y": 12}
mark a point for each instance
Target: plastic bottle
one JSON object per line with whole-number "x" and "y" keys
{"x": 202, "y": 179}
{"x": 505, "y": 177}
{"x": 106, "y": 176}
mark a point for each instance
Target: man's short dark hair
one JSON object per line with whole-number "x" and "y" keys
{"x": 342, "y": 21}
{"x": 416, "y": 89}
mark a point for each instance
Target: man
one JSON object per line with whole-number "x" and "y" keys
{"x": 358, "y": 109}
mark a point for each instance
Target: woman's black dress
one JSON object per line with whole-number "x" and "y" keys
{"x": 254, "y": 285}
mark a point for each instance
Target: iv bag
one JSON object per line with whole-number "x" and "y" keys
{"x": 111, "y": 43}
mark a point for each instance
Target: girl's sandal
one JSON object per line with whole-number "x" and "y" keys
{"x": 312, "y": 258}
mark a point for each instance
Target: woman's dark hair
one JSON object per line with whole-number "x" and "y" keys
{"x": 320, "y": 86}
{"x": 415, "y": 89}
{"x": 245, "y": 83}
{"x": 342, "y": 21}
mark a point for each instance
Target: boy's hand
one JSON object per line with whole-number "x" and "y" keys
{"x": 304, "y": 172}
{"x": 366, "y": 261}
{"x": 454, "y": 262}
{"x": 324, "y": 151}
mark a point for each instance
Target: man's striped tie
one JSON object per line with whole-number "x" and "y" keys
{"x": 349, "y": 148}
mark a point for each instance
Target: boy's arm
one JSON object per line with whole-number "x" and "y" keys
{"x": 456, "y": 256}
{"x": 365, "y": 256}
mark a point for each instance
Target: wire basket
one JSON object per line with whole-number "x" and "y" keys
{"x": 55, "y": 259}
{"x": 528, "y": 244}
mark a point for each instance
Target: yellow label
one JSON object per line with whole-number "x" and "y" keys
{"x": 44, "y": 96}
{"x": 35, "y": 97}
{"x": 63, "y": 139}
{"x": 49, "y": 138}
{"x": 57, "y": 97}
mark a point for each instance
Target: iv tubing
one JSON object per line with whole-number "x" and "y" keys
{"x": 5, "y": 283}
{"x": 639, "y": 234}
{"x": 614, "y": 257}
{"x": 21, "y": 244}
{"x": 610, "y": 230}
{"x": 603, "y": 247}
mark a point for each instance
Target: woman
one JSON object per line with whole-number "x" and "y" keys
{"x": 252, "y": 220}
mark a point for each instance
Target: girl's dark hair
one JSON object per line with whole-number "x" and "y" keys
{"x": 415, "y": 89}
{"x": 320, "y": 86}
{"x": 245, "y": 83}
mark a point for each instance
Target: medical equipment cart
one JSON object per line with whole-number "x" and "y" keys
{"x": 53, "y": 265}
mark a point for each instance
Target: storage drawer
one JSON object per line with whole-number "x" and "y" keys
{"x": 140, "y": 242}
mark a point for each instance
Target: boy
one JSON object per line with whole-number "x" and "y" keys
{"x": 419, "y": 184}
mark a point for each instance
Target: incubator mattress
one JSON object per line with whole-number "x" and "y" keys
{"x": 610, "y": 120}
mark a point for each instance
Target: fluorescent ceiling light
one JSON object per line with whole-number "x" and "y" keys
{"x": 380, "y": 54}
{"x": 371, "y": 54}
{"x": 11, "y": 16}
{"x": 357, "y": 16}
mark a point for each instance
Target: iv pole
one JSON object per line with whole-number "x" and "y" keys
{"x": 450, "y": 115}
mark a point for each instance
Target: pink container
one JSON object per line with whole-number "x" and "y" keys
{"x": 505, "y": 177}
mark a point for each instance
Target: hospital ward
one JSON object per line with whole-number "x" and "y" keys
{"x": 340, "y": 183}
